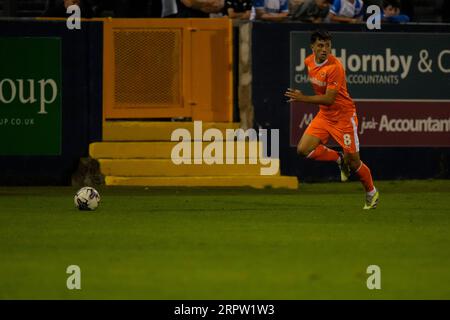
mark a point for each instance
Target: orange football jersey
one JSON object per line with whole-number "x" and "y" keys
{"x": 330, "y": 74}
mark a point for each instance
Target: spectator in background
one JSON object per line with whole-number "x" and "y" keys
{"x": 346, "y": 11}
{"x": 314, "y": 11}
{"x": 239, "y": 9}
{"x": 271, "y": 10}
{"x": 391, "y": 12}
{"x": 198, "y": 8}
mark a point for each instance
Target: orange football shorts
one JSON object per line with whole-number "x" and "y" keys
{"x": 344, "y": 130}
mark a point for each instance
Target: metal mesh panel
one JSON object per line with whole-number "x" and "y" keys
{"x": 147, "y": 66}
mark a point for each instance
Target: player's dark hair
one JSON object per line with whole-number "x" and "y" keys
{"x": 393, "y": 3}
{"x": 320, "y": 35}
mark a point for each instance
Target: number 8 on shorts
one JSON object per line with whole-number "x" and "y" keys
{"x": 347, "y": 139}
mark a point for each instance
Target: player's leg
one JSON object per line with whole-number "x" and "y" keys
{"x": 346, "y": 134}
{"x": 344, "y": 168}
{"x": 364, "y": 175}
{"x": 307, "y": 144}
{"x": 312, "y": 146}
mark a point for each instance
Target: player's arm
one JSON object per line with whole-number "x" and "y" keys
{"x": 326, "y": 99}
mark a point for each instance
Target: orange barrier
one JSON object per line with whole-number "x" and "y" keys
{"x": 158, "y": 68}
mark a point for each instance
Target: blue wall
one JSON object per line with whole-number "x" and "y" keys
{"x": 81, "y": 101}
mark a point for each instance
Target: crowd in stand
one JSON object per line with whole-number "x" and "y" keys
{"x": 311, "y": 11}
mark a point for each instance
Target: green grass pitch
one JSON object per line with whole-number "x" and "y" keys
{"x": 312, "y": 243}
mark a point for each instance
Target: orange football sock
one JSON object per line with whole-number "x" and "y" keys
{"x": 322, "y": 153}
{"x": 365, "y": 177}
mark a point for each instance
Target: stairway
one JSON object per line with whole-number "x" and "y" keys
{"x": 138, "y": 153}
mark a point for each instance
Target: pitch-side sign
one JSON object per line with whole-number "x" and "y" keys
{"x": 383, "y": 65}
{"x": 30, "y": 96}
{"x": 388, "y": 124}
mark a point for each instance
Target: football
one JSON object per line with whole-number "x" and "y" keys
{"x": 87, "y": 198}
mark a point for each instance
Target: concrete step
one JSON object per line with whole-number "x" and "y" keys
{"x": 163, "y": 150}
{"x": 155, "y": 131}
{"x": 206, "y": 181}
{"x": 166, "y": 168}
